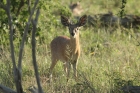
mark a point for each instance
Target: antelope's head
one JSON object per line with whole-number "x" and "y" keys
{"x": 74, "y": 28}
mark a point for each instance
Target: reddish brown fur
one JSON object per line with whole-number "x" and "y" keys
{"x": 60, "y": 46}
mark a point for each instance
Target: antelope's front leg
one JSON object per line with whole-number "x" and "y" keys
{"x": 67, "y": 68}
{"x": 74, "y": 64}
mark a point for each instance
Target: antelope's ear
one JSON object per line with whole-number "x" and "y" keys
{"x": 64, "y": 21}
{"x": 82, "y": 20}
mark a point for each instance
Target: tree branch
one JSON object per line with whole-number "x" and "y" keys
{"x": 34, "y": 23}
{"x": 20, "y": 6}
{"x": 17, "y": 76}
{"x": 17, "y": 71}
{"x": 2, "y": 6}
{"x": 6, "y": 89}
{"x": 29, "y": 6}
{"x": 25, "y": 35}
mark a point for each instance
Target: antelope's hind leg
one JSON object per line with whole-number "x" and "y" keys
{"x": 54, "y": 61}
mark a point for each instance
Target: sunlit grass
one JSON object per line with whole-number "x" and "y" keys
{"x": 107, "y": 62}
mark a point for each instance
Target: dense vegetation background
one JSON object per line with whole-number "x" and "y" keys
{"x": 108, "y": 61}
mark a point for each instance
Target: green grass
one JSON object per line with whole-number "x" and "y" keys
{"x": 108, "y": 61}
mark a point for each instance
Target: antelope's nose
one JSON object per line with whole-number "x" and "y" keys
{"x": 72, "y": 34}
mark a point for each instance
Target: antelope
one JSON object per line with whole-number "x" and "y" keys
{"x": 67, "y": 49}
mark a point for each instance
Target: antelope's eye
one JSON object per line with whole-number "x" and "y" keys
{"x": 76, "y": 29}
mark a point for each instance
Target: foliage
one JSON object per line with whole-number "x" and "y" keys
{"x": 122, "y": 12}
{"x": 20, "y": 18}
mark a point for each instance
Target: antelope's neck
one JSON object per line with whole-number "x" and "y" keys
{"x": 74, "y": 42}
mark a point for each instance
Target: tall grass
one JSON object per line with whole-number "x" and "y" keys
{"x": 108, "y": 62}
